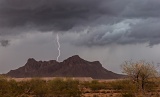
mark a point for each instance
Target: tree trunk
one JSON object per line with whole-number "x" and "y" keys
{"x": 142, "y": 86}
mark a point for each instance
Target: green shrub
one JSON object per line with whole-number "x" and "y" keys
{"x": 4, "y": 87}
{"x": 38, "y": 87}
{"x": 68, "y": 88}
{"x": 14, "y": 88}
{"x": 9, "y": 88}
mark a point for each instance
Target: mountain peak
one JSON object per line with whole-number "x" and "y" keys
{"x": 75, "y": 57}
{"x": 31, "y": 60}
{"x": 73, "y": 67}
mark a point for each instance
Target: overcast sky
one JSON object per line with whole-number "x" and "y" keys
{"x": 110, "y": 31}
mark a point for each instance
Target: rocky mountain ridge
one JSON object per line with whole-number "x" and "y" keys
{"x": 72, "y": 67}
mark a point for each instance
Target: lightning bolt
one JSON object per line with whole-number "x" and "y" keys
{"x": 59, "y": 46}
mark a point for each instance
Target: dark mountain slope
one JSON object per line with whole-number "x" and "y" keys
{"x": 71, "y": 67}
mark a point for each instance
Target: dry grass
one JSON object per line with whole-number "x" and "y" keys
{"x": 52, "y": 78}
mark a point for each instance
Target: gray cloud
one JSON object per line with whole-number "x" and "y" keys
{"x": 142, "y": 9}
{"x": 4, "y": 43}
{"x": 146, "y": 31}
{"x": 110, "y": 21}
{"x": 46, "y": 15}
{"x": 131, "y": 31}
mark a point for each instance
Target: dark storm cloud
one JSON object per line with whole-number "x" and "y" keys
{"x": 50, "y": 14}
{"x": 4, "y": 43}
{"x": 147, "y": 31}
{"x": 142, "y": 9}
{"x": 123, "y": 33}
{"x": 108, "y": 19}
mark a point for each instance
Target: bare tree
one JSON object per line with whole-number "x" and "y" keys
{"x": 139, "y": 72}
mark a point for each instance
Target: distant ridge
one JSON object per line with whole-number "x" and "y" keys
{"x": 72, "y": 67}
